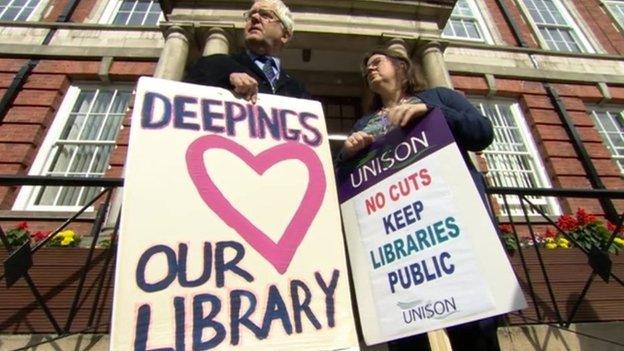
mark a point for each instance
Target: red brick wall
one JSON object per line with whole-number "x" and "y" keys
{"x": 602, "y": 25}
{"x": 525, "y": 30}
{"x": 32, "y": 112}
{"x": 555, "y": 148}
{"x": 25, "y": 122}
{"x": 500, "y": 22}
{"x": 81, "y": 11}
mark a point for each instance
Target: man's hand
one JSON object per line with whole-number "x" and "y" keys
{"x": 245, "y": 86}
{"x": 401, "y": 115}
{"x": 356, "y": 142}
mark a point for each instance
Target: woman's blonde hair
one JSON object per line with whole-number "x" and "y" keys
{"x": 411, "y": 80}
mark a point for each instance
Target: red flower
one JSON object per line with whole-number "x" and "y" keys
{"x": 567, "y": 222}
{"x": 38, "y": 236}
{"x": 550, "y": 234}
{"x": 612, "y": 226}
{"x": 505, "y": 228}
{"x": 583, "y": 217}
{"x": 22, "y": 226}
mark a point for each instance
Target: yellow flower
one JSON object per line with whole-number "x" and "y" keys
{"x": 549, "y": 240}
{"x": 619, "y": 241}
{"x": 564, "y": 245}
{"x": 67, "y": 241}
{"x": 551, "y": 245}
{"x": 67, "y": 233}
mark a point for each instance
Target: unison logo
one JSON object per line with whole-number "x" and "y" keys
{"x": 417, "y": 311}
{"x": 389, "y": 158}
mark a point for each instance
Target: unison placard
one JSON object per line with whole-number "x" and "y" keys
{"x": 424, "y": 252}
{"x": 230, "y": 235}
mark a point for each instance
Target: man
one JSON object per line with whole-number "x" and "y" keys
{"x": 268, "y": 27}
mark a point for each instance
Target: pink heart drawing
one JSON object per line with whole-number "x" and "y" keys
{"x": 281, "y": 254}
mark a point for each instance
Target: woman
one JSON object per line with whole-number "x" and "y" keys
{"x": 398, "y": 100}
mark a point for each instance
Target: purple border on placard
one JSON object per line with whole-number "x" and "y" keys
{"x": 438, "y": 136}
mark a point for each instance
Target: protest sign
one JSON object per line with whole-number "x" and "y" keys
{"x": 230, "y": 234}
{"x": 424, "y": 252}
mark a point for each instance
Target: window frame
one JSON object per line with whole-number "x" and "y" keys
{"x": 553, "y": 207}
{"x": 580, "y": 37}
{"x": 26, "y": 197}
{"x": 605, "y": 3}
{"x": 486, "y": 36}
{"x": 611, "y": 109}
{"x": 112, "y": 8}
{"x": 36, "y": 13}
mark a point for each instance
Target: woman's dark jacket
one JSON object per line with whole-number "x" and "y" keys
{"x": 471, "y": 130}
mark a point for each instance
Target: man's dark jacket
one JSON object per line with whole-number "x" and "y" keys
{"x": 215, "y": 70}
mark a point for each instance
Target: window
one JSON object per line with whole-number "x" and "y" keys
{"x": 79, "y": 144}
{"x": 17, "y": 10}
{"x": 466, "y": 23}
{"x": 616, "y": 7}
{"x": 610, "y": 125}
{"x": 132, "y": 12}
{"x": 340, "y": 112}
{"x": 512, "y": 158}
{"x": 555, "y": 27}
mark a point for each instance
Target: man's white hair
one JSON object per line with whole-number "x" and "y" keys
{"x": 283, "y": 13}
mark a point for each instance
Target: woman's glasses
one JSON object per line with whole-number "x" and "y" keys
{"x": 373, "y": 64}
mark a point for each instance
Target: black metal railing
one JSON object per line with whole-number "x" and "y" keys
{"x": 532, "y": 215}
{"x": 20, "y": 259}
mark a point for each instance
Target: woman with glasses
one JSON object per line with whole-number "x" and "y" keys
{"x": 399, "y": 98}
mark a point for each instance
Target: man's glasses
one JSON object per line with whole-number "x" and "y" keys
{"x": 266, "y": 16}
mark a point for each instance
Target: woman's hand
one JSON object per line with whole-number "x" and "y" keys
{"x": 401, "y": 115}
{"x": 356, "y": 142}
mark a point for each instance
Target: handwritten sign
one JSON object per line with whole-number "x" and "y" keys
{"x": 424, "y": 252}
{"x": 230, "y": 235}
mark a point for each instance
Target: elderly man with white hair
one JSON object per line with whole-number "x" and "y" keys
{"x": 268, "y": 27}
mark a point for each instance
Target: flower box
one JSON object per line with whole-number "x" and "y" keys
{"x": 567, "y": 271}
{"x": 56, "y": 274}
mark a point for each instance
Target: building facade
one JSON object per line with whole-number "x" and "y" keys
{"x": 549, "y": 75}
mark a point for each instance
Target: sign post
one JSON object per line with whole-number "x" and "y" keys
{"x": 424, "y": 252}
{"x": 230, "y": 234}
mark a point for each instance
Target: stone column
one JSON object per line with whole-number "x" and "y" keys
{"x": 433, "y": 65}
{"x": 397, "y": 45}
{"x": 217, "y": 42}
{"x": 173, "y": 56}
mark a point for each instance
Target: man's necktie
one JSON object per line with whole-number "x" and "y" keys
{"x": 267, "y": 69}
